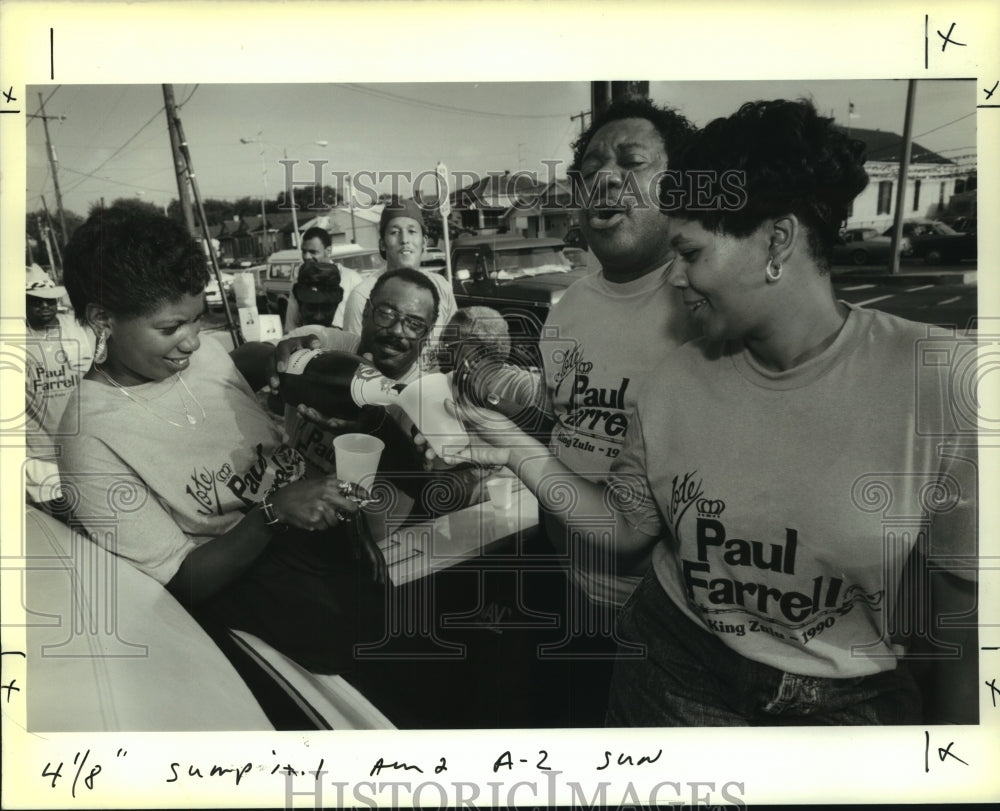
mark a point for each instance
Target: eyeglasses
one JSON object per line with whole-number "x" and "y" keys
{"x": 386, "y": 317}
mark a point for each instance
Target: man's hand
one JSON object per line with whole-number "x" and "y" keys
{"x": 334, "y": 425}
{"x": 283, "y": 351}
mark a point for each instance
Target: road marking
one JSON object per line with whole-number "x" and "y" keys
{"x": 871, "y": 300}
{"x": 949, "y": 300}
{"x": 854, "y": 287}
{"x": 915, "y": 289}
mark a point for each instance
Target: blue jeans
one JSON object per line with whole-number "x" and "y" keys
{"x": 691, "y": 678}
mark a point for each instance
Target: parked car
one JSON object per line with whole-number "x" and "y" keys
{"x": 283, "y": 268}
{"x": 935, "y": 242}
{"x": 434, "y": 259}
{"x": 862, "y": 246}
{"x": 521, "y": 277}
{"x": 213, "y": 298}
{"x": 964, "y": 225}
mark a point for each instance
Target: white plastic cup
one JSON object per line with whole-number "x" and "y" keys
{"x": 356, "y": 457}
{"x": 423, "y": 400}
{"x": 500, "y": 492}
{"x": 245, "y": 290}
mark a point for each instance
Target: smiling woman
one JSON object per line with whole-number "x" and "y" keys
{"x": 751, "y": 465}
{"x": 174, "y": 452}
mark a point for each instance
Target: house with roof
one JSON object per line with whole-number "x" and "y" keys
{"x": 931, "y": 181}
{"x": 345, "y": 225}
{"x": 480, "y": 206}
{"x": 547, "y": 210}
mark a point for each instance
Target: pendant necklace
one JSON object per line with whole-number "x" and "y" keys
{"x": 144, "y": 402}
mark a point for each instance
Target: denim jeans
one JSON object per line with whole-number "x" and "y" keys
{"x": 691, "y": 678}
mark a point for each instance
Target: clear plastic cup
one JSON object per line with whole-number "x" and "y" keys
{"x": 500, "y": 490}
{"x": 356, "y": 457}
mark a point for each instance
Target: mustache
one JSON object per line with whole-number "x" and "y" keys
{"x": 399, "y": 344}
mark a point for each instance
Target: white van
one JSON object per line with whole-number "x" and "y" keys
{"x": 283, "y": 268}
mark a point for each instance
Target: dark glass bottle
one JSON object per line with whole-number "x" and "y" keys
{"x": 337, "y": 384}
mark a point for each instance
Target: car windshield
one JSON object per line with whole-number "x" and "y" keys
{"x": 941, "y": 228}
{"x": 522, "y": 262}
{"x": 365, "y": 261}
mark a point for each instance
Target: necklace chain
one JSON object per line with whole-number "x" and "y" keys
{"x": 144, "y": 402}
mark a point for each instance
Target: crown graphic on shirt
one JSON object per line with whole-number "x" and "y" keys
{"x": 710, "y": 507}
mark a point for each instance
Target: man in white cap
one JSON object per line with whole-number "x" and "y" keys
{"x": 58, "y": 352}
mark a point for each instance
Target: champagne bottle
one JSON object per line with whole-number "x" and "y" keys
{"x": 337, "y": 384}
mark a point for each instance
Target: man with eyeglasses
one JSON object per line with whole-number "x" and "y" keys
{"x": 397, "y": 318}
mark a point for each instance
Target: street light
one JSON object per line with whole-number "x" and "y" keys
{"x": 288, "y": 191}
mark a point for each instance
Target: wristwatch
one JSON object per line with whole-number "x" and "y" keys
{"x": 266, "y": 507}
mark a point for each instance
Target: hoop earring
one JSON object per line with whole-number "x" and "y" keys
{"x": 773, "y": 270}
{"x": 101, "y": 349}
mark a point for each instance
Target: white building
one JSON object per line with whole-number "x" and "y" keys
{"x": 930, "y": 182}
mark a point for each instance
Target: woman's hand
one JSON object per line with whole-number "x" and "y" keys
{"x": 490, "y": 434}
{"x": 313, "y": 504}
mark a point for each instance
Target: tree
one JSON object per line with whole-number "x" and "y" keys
{"x": 128, "y": 204}
{"x": 311, "y": 199}
{"x": 35, "y": 218}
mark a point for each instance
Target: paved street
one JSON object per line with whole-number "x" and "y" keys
{"x": 943, "y": 295}
{"x": 942, "y": 304}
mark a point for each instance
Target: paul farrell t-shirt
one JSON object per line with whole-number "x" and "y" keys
{"x": 601, "y": 341}
{"x": 789, "y": 502}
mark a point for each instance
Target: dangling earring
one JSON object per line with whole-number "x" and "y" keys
{"x": 101, "y": 349}
{"x": 773, "y": 270}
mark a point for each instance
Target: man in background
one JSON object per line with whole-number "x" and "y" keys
{"x": 318, "y": 293}
{"x": 58, "y": 352}
{"x": 401, "y": 242}
{"x": 315, "y": 247}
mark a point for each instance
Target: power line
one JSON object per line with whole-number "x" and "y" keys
{"x": 118, "y": 151}
{"x": 46, "y": 100}
{"x": 444, "y": 108}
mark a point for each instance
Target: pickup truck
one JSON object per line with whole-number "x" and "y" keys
{"x": 520, "y": 277}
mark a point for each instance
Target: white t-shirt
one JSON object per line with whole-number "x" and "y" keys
{"x": 150, "y": 487}
{"x": 56, "y": 359}
{"x": 601, "y": 340}
{"x": 788, "y": 502}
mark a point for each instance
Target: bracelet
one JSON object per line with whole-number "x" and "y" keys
{"x": 266, "y": 507}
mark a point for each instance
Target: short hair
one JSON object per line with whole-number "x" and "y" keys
{"x": 484, "y": 324}
{"x": 131, "y": 262}
{"x": 317, "y": 233}
{"x": 414, "y": 277}
{"x": 673, "y": 127}
{"x": 791, "y": 160}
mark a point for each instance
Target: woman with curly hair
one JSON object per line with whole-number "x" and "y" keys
{"x": 790, "y": 464}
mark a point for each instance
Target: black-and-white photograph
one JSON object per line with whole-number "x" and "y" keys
{"x": 627, "y": 408}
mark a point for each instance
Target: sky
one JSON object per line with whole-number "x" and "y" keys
{"x": 113, "y": 140}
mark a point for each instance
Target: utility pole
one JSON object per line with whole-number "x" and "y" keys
{"x": 583, "y": 120}
{"x": 603, "y": 93}
{"x": 56, "y": 259}
{"x": 904, "y": 170}
{"x": 180, "y": 167}
{"x": 52, "y": 165}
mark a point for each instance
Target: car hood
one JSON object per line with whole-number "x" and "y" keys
{"x": 545, "y": 281}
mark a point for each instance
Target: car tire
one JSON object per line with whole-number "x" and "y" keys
{"x": 859, "y": 257}
{"x": 933, "y": 257}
